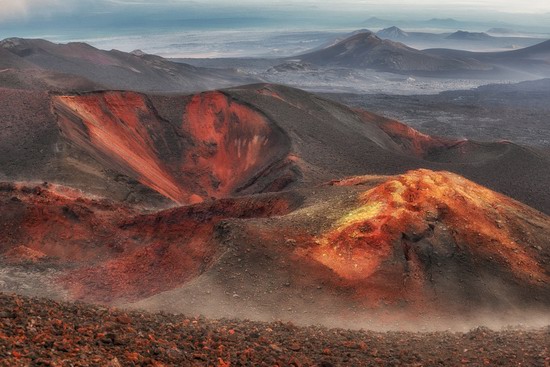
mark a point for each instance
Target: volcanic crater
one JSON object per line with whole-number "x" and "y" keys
{"x": 226, "y": 203}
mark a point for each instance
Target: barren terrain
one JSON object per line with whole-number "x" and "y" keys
{"x": 515, "y": 112}
{"x": 40, "y": 332}
{"x": 267, "y": 203}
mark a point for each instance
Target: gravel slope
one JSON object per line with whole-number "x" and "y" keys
{"x": 38, "y": 332}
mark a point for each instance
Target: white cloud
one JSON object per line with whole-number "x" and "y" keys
{"x": 13, "y": 9}
{"x": 28, "y": 9}
{"x": 512, "y": 6}
{"x": 21, "y": 9}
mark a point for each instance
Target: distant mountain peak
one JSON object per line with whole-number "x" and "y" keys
{"x": 11, "y": 42}
{"x": 376, "y": 22}
{"x": 393, "y": 28}
{"x": 360, "y": 39}
{"x": 392, "y": 32}
{"x": 362, "y": 30}
{"x": 363, "y": 34}
{"x": 138, "y": 53}
{"x": 367, "y": 50}
{"x": 471, "y": 36}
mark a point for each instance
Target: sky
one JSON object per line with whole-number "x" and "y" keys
{"x": 164, "y": 26}
{"x": 24, "y": 10}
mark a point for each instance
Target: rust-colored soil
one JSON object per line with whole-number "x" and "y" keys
{"x": 415, "y": 242}
{"x": 220, "y": 146}
{"x": 42, "y": 332}
{"x": 389, "y": 245}
{"x": 113, "y": 251}
{"x": 251, "y": 203}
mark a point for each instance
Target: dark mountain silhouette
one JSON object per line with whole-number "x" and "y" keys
{"x": 109, "y": 69}
{"x": 392, "y": 33}
{"x": 366, "y": 50}
{"x": 532, "y": 60}
{"x": 469, "y": 36}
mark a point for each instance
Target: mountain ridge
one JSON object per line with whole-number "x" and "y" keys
{"x": 111, "y": 69}
{"x": 368, "y": 50}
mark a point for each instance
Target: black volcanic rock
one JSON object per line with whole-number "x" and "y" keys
{"x": 367, "y": 50}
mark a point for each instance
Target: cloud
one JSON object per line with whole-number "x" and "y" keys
{"x": 158, "y": 4}
{"x": 13, "y": 9}
{"x": 24, "y": 9}
{"x": 512, "y": 6}
{"x": 17, "y": 10}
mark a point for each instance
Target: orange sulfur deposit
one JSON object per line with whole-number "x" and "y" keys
{"x": 405, "y": 224}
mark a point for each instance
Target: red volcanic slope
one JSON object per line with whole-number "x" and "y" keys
{"x": 177, "y": 245}
{"x": 420, "y": 244}
{"x": 121, "y": 126}
{"x": 116, "y": 252}
{"x": 411, "y": 141}
{"x": 47, "y": 221}
{"x": 411, "y": 221}
{"x": 422, "y": 241}
{"x": 160, "y": 150}
{"x": 226, "y": 143}
{"x": 234, "y": 140}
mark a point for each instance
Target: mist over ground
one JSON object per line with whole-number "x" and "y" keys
{"x": 215, "y": 28}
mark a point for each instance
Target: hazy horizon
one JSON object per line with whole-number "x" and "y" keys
{"x": 18, "y": 10}
{"x": 141, "y": 13}
{"x": 218, "y": 28}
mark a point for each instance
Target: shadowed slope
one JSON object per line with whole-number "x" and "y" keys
{"x": 240, "y": 141}
{"x": 111, "y": 69}
{"x": 220, "y": 145}
{"x": 331, "y": 141}
{"x": 105, "y": 251}
{"x": 414, "y": 228}
{"x": 420, "y": 244}
{"x": 417, "y": 245}
{"x": 410, "y": 140}
{"x": 120, "y": 128}
{"x": 366, "y": 50}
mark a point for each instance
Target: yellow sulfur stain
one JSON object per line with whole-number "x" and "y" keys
{"x": 364, "y": 237}
{"x": 365, "y": 212}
